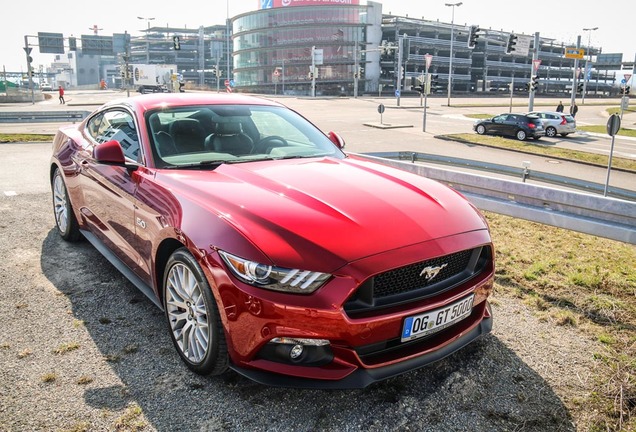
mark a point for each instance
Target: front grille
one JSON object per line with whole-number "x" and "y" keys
{"x": 418, "y": 281}
{"x": 411, "y": 277}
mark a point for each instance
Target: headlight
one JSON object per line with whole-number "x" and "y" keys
{"x": 274, "y": 278}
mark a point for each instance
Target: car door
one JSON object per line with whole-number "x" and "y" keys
{"x": 498, "y": 125}
{"x": 109, "y": 191}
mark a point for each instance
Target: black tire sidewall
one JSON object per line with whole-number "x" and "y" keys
{"x": 215, "y": 360}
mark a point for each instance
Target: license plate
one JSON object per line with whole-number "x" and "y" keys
{"x": 436, "y": 320}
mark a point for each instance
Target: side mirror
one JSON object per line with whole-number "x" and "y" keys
{"x": 337, "y": 140}
{"x": 110, "y": 153}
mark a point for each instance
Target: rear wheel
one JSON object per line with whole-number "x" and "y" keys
{"x": 193, "y": 316}
{"x": 65, "y": 220}
{"x": 521, "y": 135}
{"x": 564, "y": 134}
{"x": 550, "y": 131}
{"x": 481, "y": 129}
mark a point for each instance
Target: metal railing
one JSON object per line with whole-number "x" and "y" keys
{"x": 43, "y": 116}
{"x": 597, "y": 215}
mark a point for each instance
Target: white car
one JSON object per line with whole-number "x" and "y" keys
{"x": 46, "y": 87}
{"x": 556, "y": 123}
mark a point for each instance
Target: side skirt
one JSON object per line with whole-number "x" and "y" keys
{"x": 123, "y": 268}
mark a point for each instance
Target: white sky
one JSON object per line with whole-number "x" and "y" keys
{"x": 559, "y": 19}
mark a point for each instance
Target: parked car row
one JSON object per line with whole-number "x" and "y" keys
{"x": 534, "y": 125}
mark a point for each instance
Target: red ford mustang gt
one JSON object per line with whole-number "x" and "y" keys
{"x": 271, "y": 251}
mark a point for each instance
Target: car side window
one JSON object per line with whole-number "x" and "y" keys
{"x": 117, "y": 125}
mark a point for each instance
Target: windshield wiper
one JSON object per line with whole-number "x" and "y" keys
{"x": 212, "y": 164}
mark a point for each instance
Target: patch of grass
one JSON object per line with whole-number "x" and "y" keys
{"x": 14, "y": 138}
{"x": 479, "y": 116}
{"x": 84, "y": 379}
{"x": 534, "y": 147}
{"x": 129, "y": 349}
{"x": 49, "y": 377}
{"x": 132, "y": 420}
{"x": 112, "y": 358}
{"x": 78, "y": 323}
{"x": 66, "y": 347}
{"x": 602, "y": 129}
{"x": 5, "y": 345}
{"x": 78, "y": 427}
{"x": 24, "y": 353}
{"x": 617, "y": 110}
{"x": 578, "y": 280}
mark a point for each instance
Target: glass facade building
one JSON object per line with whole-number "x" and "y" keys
{"x": 272, "y": 48}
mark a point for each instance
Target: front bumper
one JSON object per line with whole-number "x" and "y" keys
{"x": 361, "y": 378}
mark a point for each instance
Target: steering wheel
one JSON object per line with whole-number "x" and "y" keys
{"x": 266, "y": 143}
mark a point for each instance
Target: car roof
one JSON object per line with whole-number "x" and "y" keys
{"x": 551, "y": 112}
{"x": 142, "y": 103}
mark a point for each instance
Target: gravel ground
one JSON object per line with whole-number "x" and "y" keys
{"x": 82, "y": 350}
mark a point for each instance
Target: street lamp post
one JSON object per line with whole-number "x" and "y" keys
{"x": 588, "y": 62}
{"x": 450, "y": 63}
{"x": 147, "y": 40}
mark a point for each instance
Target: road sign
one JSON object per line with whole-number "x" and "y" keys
{"x": 574, "y": 53}
{"x": 397, "y": 93}
{"x": 232, "y": 83}
{"x": 627, "y": 77}
{"x": 318, "y": 56}
{"x": 276, "y": 73}
{"x": 623, "y": 81}
{"x": 227, "y": 83}
{"x": 381, "y": 108}
{"x": 613, "y": 124}
{"x": 522, "y": 47}
{"x": 535, "y": 65}
{"x": 429, "y": 59}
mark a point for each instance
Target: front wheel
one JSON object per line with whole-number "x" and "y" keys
{"x": 521, "y": 135}
{"x": 65, "y": 219}
{"x": 193, "y": 316}
{"x": 481, "y": 129}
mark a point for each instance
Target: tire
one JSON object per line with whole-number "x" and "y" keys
{"x": 564, "y": 134}
{"x": 65, "y": 220}
{"x": 537, "y": 138}
{"x": 521, "y": 135}
{"x": 193, "y": 317}
{"x": 481, "y": 129}
{"x": 550, "y": 131}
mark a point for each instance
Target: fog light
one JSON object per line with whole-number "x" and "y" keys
{"x": 296, "y": 351}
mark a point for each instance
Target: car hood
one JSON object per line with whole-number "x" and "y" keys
{"x": 322, "y": 213}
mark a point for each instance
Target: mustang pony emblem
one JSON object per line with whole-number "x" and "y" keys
{"x": 430, "y": 272}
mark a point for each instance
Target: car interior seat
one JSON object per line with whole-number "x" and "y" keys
{"x": 229, "y": 138}
{"x": 188, "y": 135}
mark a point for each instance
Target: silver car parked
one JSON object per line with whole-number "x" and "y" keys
{"x": 556, "y": 122}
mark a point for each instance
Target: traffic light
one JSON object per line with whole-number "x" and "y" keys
{"x": 176, "y": 42}
{"x": 512, "y": 42}
{"x": 579, "y": 87}
{"x": 528, "y": 86}
{"x": 30, "y": 66}
{"x": 626, "y": 89}
{"x": 72, "y": 43}
{"x": 473, "y": 35}
{"x": 535, "y": 82}
{"x": 310, "y": 75}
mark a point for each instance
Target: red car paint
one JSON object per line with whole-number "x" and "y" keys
{"x": 340, "y": 215}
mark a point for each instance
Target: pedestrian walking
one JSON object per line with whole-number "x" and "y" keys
{"x": 574, "y": 109}
{"x": 559, "y": 107}
{"x": 60, "y": 91}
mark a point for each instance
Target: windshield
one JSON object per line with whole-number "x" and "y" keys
{"x": 208, "y": 135}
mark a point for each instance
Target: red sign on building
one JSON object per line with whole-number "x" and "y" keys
{"x": 268, "y": 4}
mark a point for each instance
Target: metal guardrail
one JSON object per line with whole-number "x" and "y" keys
{"x": 597, "y": 215}
{"x": 43, "y": 116}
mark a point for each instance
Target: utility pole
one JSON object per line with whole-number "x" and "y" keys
{"x": 575, "y": 73}
{"x": 534, "y": 71}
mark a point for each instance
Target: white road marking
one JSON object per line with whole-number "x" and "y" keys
{"x": 10, "y": 193}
